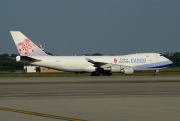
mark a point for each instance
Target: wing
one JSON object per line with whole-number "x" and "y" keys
{"x": 111, "y": 67}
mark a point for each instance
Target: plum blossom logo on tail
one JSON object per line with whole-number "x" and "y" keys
{"x": 115, "y": 60}
{"x": 26, "y": 47}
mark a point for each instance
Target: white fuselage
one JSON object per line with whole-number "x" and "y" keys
{"x": 143, "y": 61}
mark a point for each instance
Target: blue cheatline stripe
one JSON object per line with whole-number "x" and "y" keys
{"x": 162, "y": 66}
{"x": 154, "y": 65}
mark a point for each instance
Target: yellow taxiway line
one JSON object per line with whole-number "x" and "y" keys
{"x": 40, "y": 114}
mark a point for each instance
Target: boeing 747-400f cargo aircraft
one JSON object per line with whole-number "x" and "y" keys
{"x": 97, "y": 65}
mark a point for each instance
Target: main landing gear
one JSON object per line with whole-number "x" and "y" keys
{"x": 95, "y": 74}
{"x": 101, "y": 73}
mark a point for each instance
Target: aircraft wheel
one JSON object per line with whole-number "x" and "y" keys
{"x": 156, "y": 72}
{"x": 95, "y": 74}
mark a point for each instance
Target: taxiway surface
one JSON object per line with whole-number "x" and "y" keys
{"x": 126, "y": 98}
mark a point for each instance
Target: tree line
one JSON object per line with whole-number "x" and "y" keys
{"x": 8, "y": 62}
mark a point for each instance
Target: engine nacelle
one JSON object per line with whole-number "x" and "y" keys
{"x": 127, "y": 70}
{"x": 120, "y": 69}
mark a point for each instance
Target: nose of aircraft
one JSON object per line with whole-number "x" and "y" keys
{"x": 169, "y": 62}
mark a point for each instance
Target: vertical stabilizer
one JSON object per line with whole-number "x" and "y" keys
{"x": 25, "y": 46}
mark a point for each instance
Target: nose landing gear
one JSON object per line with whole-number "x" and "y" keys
{"x": 156, "y": 72}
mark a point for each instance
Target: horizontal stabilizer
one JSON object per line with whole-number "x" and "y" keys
{"x": 26, "y": 58}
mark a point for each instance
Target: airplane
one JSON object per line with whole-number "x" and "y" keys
{"x": 30, "y": 53}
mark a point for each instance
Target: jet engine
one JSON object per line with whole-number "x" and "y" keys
{"x": 120, "y": 69}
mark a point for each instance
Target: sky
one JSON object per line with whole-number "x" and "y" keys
{"x": 75, "y": 27}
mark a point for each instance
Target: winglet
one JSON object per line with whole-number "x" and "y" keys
{"x": 25, "y": 46}
{"x": 89, "y": 60}
{"x": 98, "y": 64}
